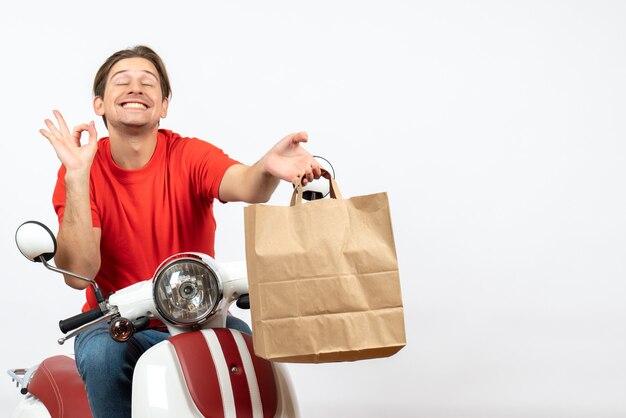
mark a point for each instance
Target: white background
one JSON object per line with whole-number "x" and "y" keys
{"x": 496, "y": 127}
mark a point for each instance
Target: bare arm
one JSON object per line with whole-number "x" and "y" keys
{"x": 78, "y": 241}
{"x": 287, "y": 160}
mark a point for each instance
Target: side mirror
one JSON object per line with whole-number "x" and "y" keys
{"x": 35, "y": 241}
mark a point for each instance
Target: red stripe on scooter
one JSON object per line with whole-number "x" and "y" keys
{"x": 238, "y": 379}
{"x": 267, "y": 381}
{"x": 199, "y": 370}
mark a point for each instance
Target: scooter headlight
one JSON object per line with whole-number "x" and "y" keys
{"x": 186, "y": 290}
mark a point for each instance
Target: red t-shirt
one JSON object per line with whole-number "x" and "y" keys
{"x": 149, "y": 214}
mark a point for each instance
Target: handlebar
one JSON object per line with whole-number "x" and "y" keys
{"x": 76, "y": 321}
{"x": 243, "y": 302}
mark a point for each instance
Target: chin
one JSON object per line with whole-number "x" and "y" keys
{"x": 133, "y": 125}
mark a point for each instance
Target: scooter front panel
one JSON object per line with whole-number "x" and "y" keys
{"x": 159, "y": 388}
{"x": 218, "y": 362}
{"x": 264, "y": 375}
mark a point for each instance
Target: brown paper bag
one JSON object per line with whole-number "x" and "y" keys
{"x": 323, "y": 279}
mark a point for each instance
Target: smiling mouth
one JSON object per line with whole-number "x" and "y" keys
{"x": 134, "y": 105}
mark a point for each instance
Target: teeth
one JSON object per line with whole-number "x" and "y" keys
{"x": 133, "y": 106}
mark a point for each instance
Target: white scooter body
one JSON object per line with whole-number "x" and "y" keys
{"x": 169, "y": 378}
{"x": 160, "y": 389}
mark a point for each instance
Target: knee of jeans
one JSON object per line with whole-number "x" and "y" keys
{"x": 236, "y": 323}
{"x": 99, "y": 356}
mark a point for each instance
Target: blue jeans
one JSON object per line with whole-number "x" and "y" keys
{"x": 106, "y": 366}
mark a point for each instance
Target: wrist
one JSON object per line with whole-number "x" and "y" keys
{"x": 261, "y": 168}
{"x": 74, "y": 178}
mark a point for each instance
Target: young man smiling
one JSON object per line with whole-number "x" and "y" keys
{"x": 128, "y": 201}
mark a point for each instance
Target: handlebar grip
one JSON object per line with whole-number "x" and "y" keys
{"x": 141, "y": 323}
{"x": 243, "y": 302}
{"x": 76, "y": 321}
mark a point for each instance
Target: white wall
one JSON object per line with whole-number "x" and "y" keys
{"x": 496, "y": 127}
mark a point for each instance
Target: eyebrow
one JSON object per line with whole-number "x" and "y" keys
{"x": 145, "y": 71}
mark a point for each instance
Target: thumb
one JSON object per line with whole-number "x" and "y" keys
{"x": 93, "y": 135}
{"x": 299, "y": 137}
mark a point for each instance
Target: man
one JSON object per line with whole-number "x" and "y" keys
{"x": 127, "y": 202}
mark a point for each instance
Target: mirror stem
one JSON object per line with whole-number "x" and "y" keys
{"x": 93, "y": 284}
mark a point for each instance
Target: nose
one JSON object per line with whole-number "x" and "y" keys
{"x": 135, "y": 87}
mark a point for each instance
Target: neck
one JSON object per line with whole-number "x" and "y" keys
{"x": 132, "y": 149}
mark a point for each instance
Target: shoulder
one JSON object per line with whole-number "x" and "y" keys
{"x": 176, "y": 143}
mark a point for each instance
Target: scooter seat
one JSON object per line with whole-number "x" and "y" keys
{"x": 60, "y": 388}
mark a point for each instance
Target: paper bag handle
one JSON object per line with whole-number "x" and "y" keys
{"x": 296, "y": 196}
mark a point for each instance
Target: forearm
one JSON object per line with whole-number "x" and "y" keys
{"x": 251, "y": 184}
{"x": 287, "y": 160}
{"x": 78, "y": 244}
{"x": 260, "y": 183}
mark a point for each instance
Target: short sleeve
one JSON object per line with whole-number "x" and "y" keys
{"x": 208, "y": 165}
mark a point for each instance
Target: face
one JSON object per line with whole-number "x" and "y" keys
{"x": 132, "y": 97}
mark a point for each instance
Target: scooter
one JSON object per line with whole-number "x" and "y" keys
{"x": 202, "y": 370}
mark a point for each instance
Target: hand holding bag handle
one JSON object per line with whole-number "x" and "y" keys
{"x": 296, "y": 196}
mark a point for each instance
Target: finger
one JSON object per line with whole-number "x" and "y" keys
{"x": 52, "y": 140}
{"x": 77, "y": 131}
{"x": 80, "y": 128}
{"x": 46, "y": 134}
{"x": 317, "y": 170}
{"x": 300, "y": 179}
{"x": 309, "y": 175}
{"x": 62, "y": 125}
{"x": 299, "y": 137}
{"x": 93, "y": 134}
{"x": 53, "y": 129}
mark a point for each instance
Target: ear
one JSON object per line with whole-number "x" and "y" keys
{"x": 98, "y": 105}
{"x": 166, "y": 102}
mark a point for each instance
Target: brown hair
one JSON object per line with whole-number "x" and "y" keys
{"x": 139, "y": 51}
